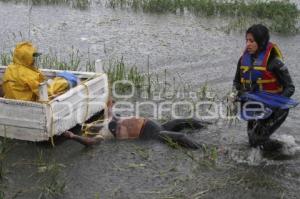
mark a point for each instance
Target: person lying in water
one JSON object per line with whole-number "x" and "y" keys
{"x": 140, "y": 128}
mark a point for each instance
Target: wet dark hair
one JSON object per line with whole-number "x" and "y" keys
{"x": 112, "y": 126}
{"x": 260, "y": 34}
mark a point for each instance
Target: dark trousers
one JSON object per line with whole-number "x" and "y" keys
{"x": 259, "y": 131}
{"x": 170, "y": 130}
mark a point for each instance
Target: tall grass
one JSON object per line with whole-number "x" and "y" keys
{"x": 73, "y": 61}
{"x": 281, "y": 16}
{"x": 77, "y": 4}
{"x": 54, "y": 62}
{"x": 6, "y": 59}
{"x": 116, "y": 71}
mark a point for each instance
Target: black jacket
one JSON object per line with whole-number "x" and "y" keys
{"x": 279, "y": 70}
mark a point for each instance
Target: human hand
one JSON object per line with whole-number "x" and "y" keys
{"x": 233, "y": 96}
{"x": 68, "y": 134}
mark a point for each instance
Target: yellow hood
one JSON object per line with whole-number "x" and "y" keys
{"x": 23, "y": 54}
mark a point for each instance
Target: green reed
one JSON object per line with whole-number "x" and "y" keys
{"x": 73, "y": 61}
{"x": 281, "y": 16}
{"x": 77, "y": 4}
{"x": 117, "y": 71}
{"x": 5, "y": 59}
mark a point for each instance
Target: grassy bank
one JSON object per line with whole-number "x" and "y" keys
{"x": 77, "y": 4}
{"x": 279, "y": 16}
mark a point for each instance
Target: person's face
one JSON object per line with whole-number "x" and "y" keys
{"x": 251, "y": 44}
{"x": 36, "y": 60}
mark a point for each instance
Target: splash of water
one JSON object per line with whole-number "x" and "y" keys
{"x": 255, "y": 156}
{"x": 289, "y": 147}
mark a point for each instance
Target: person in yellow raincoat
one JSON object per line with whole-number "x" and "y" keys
{"x": 22, "y": 78}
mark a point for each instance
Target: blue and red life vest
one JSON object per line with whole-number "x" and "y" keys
{"x": 256, "y": 73}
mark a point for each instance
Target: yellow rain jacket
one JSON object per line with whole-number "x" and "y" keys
{"x": 21, "y": 78}
{"x": 58, "y": 86}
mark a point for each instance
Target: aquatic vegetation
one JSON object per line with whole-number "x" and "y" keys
{"x": 253, "y": 178}
{"x": 280, "y": 16}
{"x": 172, "y": 143}
{"x": 77, "y": 4}
{"x": 209, "y": 156}
{"x": 2, "y": 196}
{"x": 51, "y": 183}
{"x": 5, "y": 59}
{"x": 52, "y": 61}
{"x": 232, "y": 108}
{"x": 4, "y": 148}
{"x": 142, "y": 152}
{"x": 116, "y": 71}
{"x": 146, "y": 84}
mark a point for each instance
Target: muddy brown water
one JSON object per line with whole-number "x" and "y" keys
{"x": 195, "y": 51}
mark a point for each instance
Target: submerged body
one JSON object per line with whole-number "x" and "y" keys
{"x": 141, "y": 128}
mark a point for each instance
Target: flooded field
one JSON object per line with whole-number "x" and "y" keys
{"x": 194, "y": 50}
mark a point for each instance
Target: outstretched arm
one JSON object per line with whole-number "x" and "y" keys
{"x": 109, "y": 107}
{"x": 87, "y": 141}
